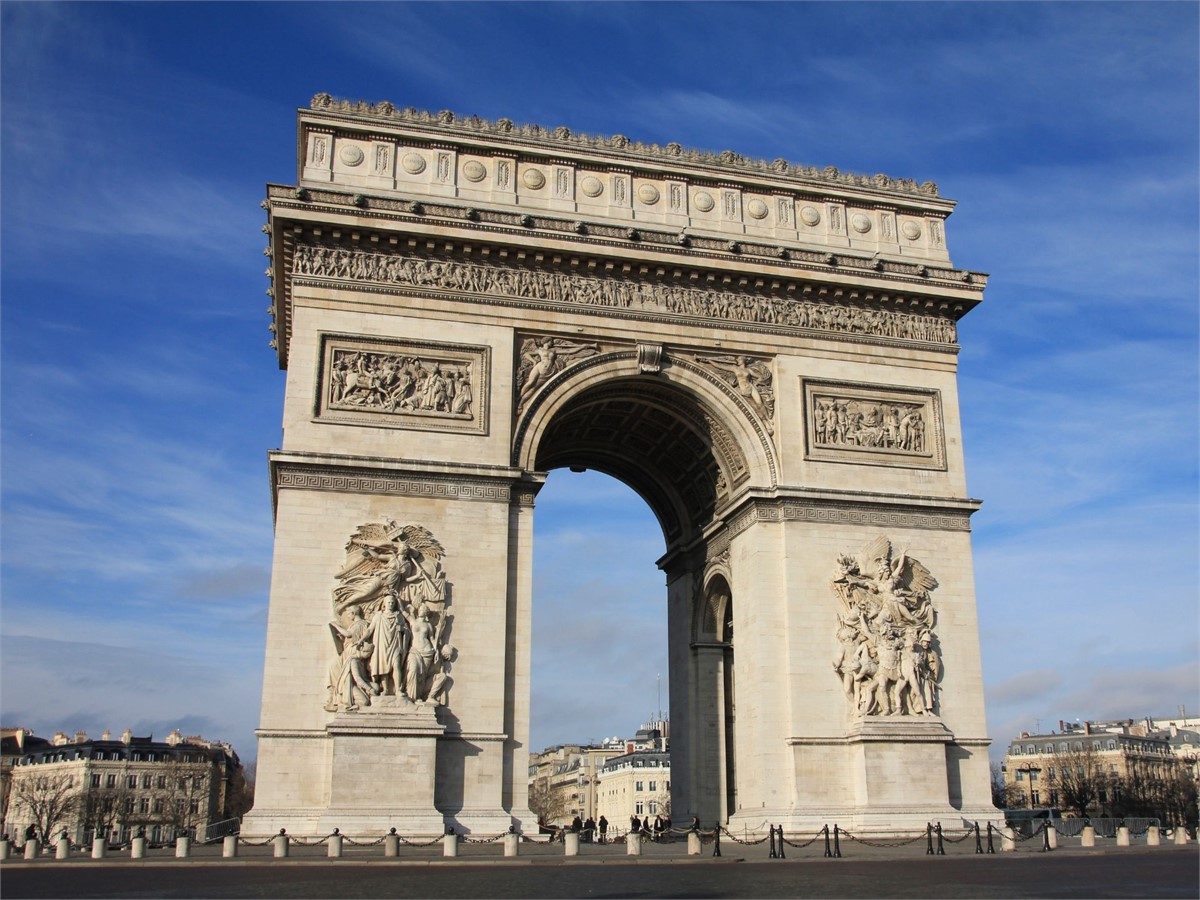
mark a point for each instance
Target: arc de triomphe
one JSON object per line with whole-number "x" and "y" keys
{"x": 765, "y": 352}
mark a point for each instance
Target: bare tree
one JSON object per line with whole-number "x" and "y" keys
{"x": 1080, "y": 779}
{"x": 47, "y": 800}
{"x": 185, "y": 798}
{"x": 1005, "y": 796}
{"x": 546, "y": 803}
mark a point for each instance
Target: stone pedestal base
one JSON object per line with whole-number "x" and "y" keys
{"x": 884, "y": 774}
{"x": 380, "y": 769}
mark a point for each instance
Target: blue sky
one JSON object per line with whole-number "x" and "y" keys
{"x": 140, "y": 397}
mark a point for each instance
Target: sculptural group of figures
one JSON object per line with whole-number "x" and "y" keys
{"x": 861, "y": 423}
{"x": 390, "y": 620}
{"x": 619, "y": 293}
{"x": 887, "y": 657}
{"x": 395, "y": 382}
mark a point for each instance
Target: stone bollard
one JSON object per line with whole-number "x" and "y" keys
{"x": 99, "y": 847}
{"x": 512, "y": 841}
{"x": 1052, "y": 837}
{"x": 1087, "y": 837}
{"x": 450, "y": 843}
{"x": 1123, "y": 836}
{"x": 1180, "y": 836}
{"x": 229, "y": 847}
{"x": 391, "y": 844}
{"x": 282, "y": 846}
{"x": 571, "y": 843}
{"x": 335, "y": 845}
{"x": 1008, "y": 839}
{"x": 633, "y": 844}
{"x": 183, "y": 847}
{"x": 1152, "y": 836}
{"x": 33, "y": 849}
{"x": 137, "y": 847}
{"x": 5, "y": 848}
{"x": 63, "y": 849}
{"x": 693, "y": 843}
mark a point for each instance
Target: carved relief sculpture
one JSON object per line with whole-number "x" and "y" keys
{"x": 617, "y": 293}
{"x": 750, "y": 378}
{"x": 390, "y": 621}
{"x": 542, "y": 359}
{"x": 886, "y": 658}
{"x": 410, "y": 384}
{"x": 847, "y": 422}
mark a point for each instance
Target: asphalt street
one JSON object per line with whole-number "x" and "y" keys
{"x": 1132, "y": 872}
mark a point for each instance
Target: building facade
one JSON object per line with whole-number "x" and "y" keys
{"x": 634, "y": 784}
{"x": 118, "y": 787}
{"x": 1091, "y": 768}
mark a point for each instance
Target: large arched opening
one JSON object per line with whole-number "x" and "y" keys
{"x": 668, "y": 441}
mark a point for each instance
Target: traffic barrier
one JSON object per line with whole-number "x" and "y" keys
{"x": 183, "y": 846}
{"x": 570, "y": 843}
{"x": 229, "y": 845}
{"x": 99, "y": 847}
{"x": 1153, "y": 836}
{"x": 512, "y": 842}
{"x": 450, "y": 842}
{"x": 633, "y": 844}
{"x": 1123, "y": 836}
{"x": 63, "y": 849}
{"x": 1087, "y": 837}
{"x": 33, "y": 849}
{"x": 334, "y": 850}
{"x": 137, "y": 847}
{"x": 282, "y": 845}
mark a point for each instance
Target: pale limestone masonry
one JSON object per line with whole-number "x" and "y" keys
{"x": 765, "y": 352}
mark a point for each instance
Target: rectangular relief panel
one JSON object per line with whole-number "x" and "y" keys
{"x": 419, "y": 385}
{"x": 873, "y": 425}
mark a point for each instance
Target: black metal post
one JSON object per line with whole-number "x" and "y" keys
{"x": 941, "y": 850}
{"x": 928, "y": 839}
{"x": 978, "y": 845}
{"x": 828, "y": 852}
{"x": 779, "y": 831}
{"x": 1045, "y": 838}
{"x": 837, "y": 847}
{"x": 771, "y": 833}
{"x": 991, "y": 848}
{"x": 717, "y": 840}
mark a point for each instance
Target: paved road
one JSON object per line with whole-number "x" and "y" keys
{"x": 1133, "y": 872}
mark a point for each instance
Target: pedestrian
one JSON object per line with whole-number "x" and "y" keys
{"x": 577, "y": 824}
{"x": 646, "y": 827}
{"x": 589, "y": 830}
{"x": 658, "y": 828}
{"x": 603, "y": 829}
{"x": 635, "y": 824}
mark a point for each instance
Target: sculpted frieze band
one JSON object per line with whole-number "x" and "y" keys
{"x": 751, "y": 378}
{"x": 616, "y": 293}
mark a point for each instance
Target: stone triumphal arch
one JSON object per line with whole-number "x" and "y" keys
{"x": 765, "y": 352}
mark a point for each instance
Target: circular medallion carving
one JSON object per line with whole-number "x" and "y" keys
{"x": 756, "y": 209}
{"x": 413, "y": 163}
{"x": 474, "y": 171}
{"x": 703, "y": 201}
{"x": 351, "y": 155}
{"x": 648, "y": 194}
{"x": 810, "y": 216}
{"x": 860, "y": 223}
{"x": 534, "y": 179}
{"x": 591, "y": 186}
{"x": 911, "y": 230}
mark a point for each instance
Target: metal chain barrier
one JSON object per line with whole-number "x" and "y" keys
{"x": 354, "y": 843}
{"x": 800, "y": 846}
{"x": 969, "y": 833}
{"x": 262, "y": 843}
{"x": 491, "y": 840}
{"x": 407, "y": 842}
{"x": 309, "y": 842}
{"x": 747, "y": 842}
{"x": 887, "y": 842}
{"x": 1037, "y": 832}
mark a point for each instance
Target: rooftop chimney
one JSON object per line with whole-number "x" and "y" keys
{"x": 80, "y": 737}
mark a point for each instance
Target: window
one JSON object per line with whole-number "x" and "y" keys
{"x": 194, "y": 807}
{"x": 639, "y": 786}
{"x": 1112, "y": 745}
{"x": 1029, "y": 749}
{"x": 1050, "y": 773}
{"x": 1033, "y": 775}
{"x": 144, "y": 805}
{"x": 131, "y": 781}
{"x": 1016, "y": 751}
{"x": 158, "y": 804}
{"x": 95, "y": 781}
{"x": 639, "y": 808}
{"x": 654, "y": 807}
{"x": 1054, "y": 798}
{"x": 110, "y": 781}
{"x": 1103, "y": 795}
{"x": 147, "y": 779}
{"x": 1062, "y": 748}
{"x": 1033, "y": 798}
{"x": 1020, "y": 775}
{"x": 162, "y": 781}
{"x": 1079, "y": 771}
{"x": 653, "y": 786}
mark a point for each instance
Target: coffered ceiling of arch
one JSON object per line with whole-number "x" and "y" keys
{"x": 657, "y": 440}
